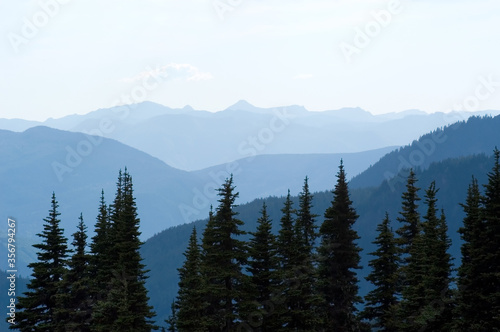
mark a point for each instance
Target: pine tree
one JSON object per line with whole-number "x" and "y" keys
{"x": 190, "y": 305}
{"x": 436, "y": 314}
{"x": 338, "y": 259}
{"x": 410, "y": 218}
{"x": 264, "y": 282}
{"x": 381, "y": 302}
{"x": 172, "y": 320}
{"x": 413, "y": 293}
{"x": 287, "y": 254}
{"x": 223, "y": 257}
{"x": 491, "y": 264}
{"x": 40, "y": 303}
{"x": 101, "y": 259}
{"x": 426, "y": 304}
{"x": 471, "y": 300}
{"x": 126, "y": 306}
{"x": 301, "y": 297}
{"x": 408, "y": 232}
{"x": 77, "y": 306}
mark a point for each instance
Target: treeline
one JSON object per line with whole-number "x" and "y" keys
{"x": 77, "y": 290}
{"x": 304, "y": 278}
{"x": 301, "y": 279}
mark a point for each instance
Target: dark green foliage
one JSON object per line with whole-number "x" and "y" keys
{"x": 380, "y": 303}
{"x": 101, "y": 259}
{"x": 75, "y": 314}
{"x": 477, "y": 135}
{"x": 305, "y": 226}
{"x": 437, "y": 311}
{"x": 41, "y": 302}
{"x": 223, "y": 257}
{"x": 287, "y": 253}
{"x": 263, "y": 289}
{"x": 126, "y": 306}
{"x": 479, "y": 275}
{"x": 300, "y": 298}
{"x": 338, "y": 257}
{"x": 409, "y": 216}
{"x": 471, "y": 301}
{"x": 172, "y": 320}
{"x": 188, "y": 314}
{"x": 491, "y": 259}
{"x": 426, "y": 304}
{"x": 452, "y": 176}
{"x": 409, "y": 232}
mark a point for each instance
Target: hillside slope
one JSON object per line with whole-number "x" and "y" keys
{"x": 476, "y": 135}
{"x": 452, "y": 176}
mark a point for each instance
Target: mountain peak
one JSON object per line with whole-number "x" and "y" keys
{"x": 241, "y": 105}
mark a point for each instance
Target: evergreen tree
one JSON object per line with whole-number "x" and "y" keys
{"x": 381, "y": 301}
{"x": 408, "y": 233}
{"x": 338, "y": 258}
{"x": 172, "y": 320}
{"x": 301, "y": 297}
{"x": 77, "y": 306}
{"x": 306, "y": 223}
{"x": 436, "y": 315}
{"x": 471, "y": 300}
{"x": 40, "y": 303}
{"x": 190, "y": 305}
{"x": 264, "y": 282}
{"x": 491, "y": 260}
{"x": 426, "y": 304}
{"x": 413, "y": 294}
{"x": 287, "y": 253}
{"x": 410, "y": 218}
{"x": 126, "y": 306}
{"x": 101, "y": 258}
{"x": 223, "y": 257}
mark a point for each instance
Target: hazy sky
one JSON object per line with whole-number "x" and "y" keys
{"x": 60, "y": 57}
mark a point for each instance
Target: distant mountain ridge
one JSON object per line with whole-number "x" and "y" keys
{"x": 452, "y": 177}
{"x": 192, "y": 140}
{"x": 474, "y": 136}
{"x": 451, "y": 170}
{"x": 75, "y": 166}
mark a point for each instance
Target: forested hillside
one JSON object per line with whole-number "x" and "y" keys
{"x": 473, "y": 136}
{"x": 452, "y": 177}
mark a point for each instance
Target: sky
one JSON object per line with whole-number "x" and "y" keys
{"x": 61, "y": 57}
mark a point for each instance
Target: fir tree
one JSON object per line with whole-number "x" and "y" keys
{"x": 408, "y": 232}
{"x": 126, "y": 306}
{"x": 491, "y": 260}
{"x": 101, "y": 260}
{"x": 287, "y": 254}
{"x": 338, "y": 259}
{"x": 77, "y": 306}
{"x": 264, "y": 282}
{"x": 471, "y": 300}
{"x": 172, "y": 320}
{"x": 301, "y": 297}
{"x": 223, "y": 257}
{"x": 410, "y": 218}
{"x": 190, "y": 306}
{"x": 436, "y": 314}
{"x": 40, "y": 303}
{"x": 381, "y": 302}
{"x": 426, "y": 304}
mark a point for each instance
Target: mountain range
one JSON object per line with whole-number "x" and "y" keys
{"x": 77, "y": 167}
{"x": 78, "y": 156}
{"x": 190, "y": 139}
{"x": 452, "y": 176}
